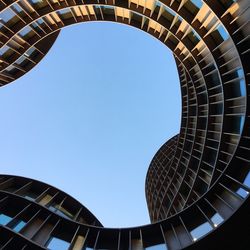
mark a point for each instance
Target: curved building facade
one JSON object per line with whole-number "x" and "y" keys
{"x": 198, "y": 183}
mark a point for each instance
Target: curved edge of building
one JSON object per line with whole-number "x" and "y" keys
{"x": 28, "y": 223}
{"x": 22, "y": 62}
{"x": 47, "y": 196}
{"x": 156, "y": 175}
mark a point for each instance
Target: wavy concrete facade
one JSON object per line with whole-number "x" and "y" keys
{"x": 198, "y": 184}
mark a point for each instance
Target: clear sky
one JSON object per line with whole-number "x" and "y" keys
{"x": 90, "y": 117}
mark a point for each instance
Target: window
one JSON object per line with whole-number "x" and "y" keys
{"x": 29, "y": 51}
{"x": 4, "y": 219}
{"x": 227, "y": 3}
{"x": 36, "y": 1}
{"x": 53, "y": 207}
{"x": 236, "y": 124}
{"x": 240, "y": 73}
{"x": 10, "y": 68}
{"x": 242, "y": 87}
{"x": 242, "y": 121}
{"x": 7, "y": 15}
{"x": 25, "y": 32}
{"x": 17, "y": 8}
{"x": 197, "y": 3}
{"x": 157, "y": 247}
{"x": 223, "y": 32}
{"x": 57, "y": 244}
{"x": 64, "y": 213}
{"x": 65, "y": 13}
{"x": 201, "y": 230}
{"x": 193, "y": 6}
{"x": 247, "y": 180}
{"x": 216, "y": 219}
{"x": 30, "y": 197}
{"x": 61, "y": 210}
{"x": 242, "y": 192}
{"x": 39, "y": 3}
{"x": 32, "y": 193}
{"x": 19, "y": 225}
{"x": 3, "y": 49}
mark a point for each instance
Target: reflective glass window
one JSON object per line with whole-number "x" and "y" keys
{"x": 242, "y": 87}
{"x": 216, "y": 219}
{"x": 201, "y": 230}
{"x": 4, "y": 219}
{"x": 240, "y": 72}
{"x": 157, "y": 247}
{"x": 242, "y": 192}
{"x": 197, "y": 3}
{"x": 223, "y": 32}
{"x": 7, "y": 15}
{"x": 19, "y": 226}
{"x": 57, "y": 244}
{"x": 25, "y": 31}
{"x": 3, "y": 49}
{"x": 17, "y": 8}
{"x": 247, "y": 180}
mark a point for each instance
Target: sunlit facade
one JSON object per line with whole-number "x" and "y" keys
{"x": 198, "y": 183}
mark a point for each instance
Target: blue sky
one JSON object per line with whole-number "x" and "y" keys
{"x": 90, "y": 117}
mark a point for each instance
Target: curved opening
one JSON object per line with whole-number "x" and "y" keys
{"x": 107, "y": 100}
{"x": 217, "y": 67}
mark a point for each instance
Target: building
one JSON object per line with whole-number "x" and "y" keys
{"x": 198, "y": 183}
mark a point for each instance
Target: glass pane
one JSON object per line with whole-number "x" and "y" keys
{"x": 216, "y": 219}
{"x": 4, "y": 219}
{"x": 197, "y": 3}
{"x": 7, "y": 15}
{"x": 65, "y": 213}
{"x": 19, "y": 226}
{"x": 242, "y": 87}
{"x": 223, "y": 32}
{"x": 30, "y": 197}
{"x": 240, "y": 72}
{"x": 157, "y": 247}
{"x": 242, "y": 192}
{"x": 58, "y": 244}
{"x": 247, "y": 180}
{"x": 201, "y": 230}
